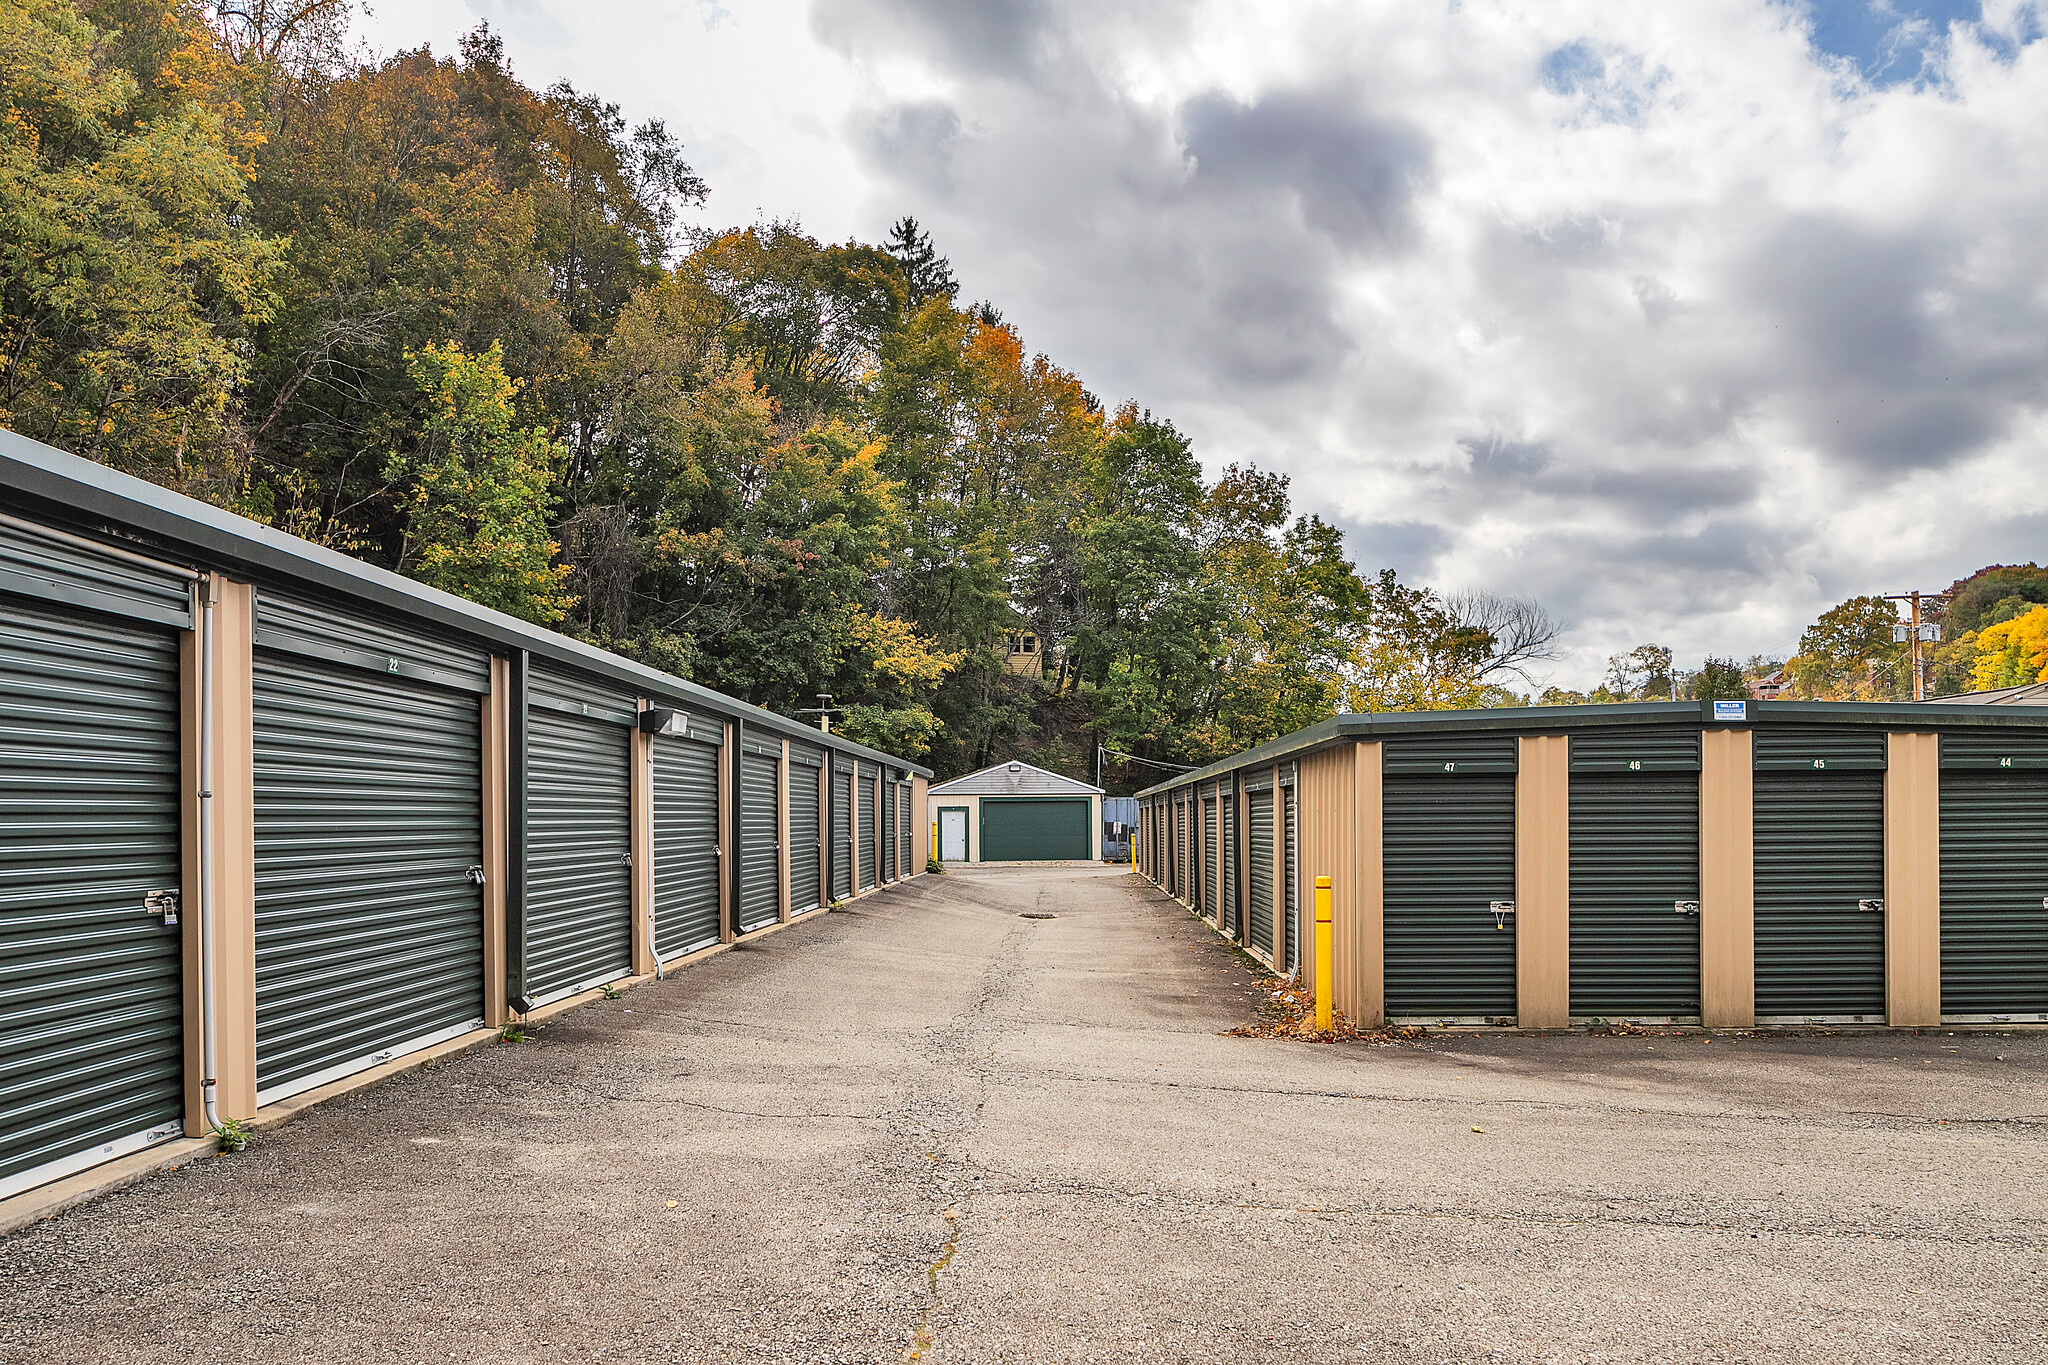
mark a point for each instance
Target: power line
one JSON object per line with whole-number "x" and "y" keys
{"x": 1149, "y": 762}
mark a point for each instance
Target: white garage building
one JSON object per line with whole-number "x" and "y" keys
{"x": 1013, "y": 813}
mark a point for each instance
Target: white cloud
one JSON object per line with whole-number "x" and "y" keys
{"x": 1641, "y": 309}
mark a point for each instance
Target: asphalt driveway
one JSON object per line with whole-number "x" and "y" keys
{"x": 927, "y": 1126}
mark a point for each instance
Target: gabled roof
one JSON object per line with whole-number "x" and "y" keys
{"x": 1014, "y": 779}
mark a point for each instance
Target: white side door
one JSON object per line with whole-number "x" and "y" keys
{"x": 952, "y": 836}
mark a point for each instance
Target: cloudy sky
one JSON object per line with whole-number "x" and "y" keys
{"x": 1688, "y": 320}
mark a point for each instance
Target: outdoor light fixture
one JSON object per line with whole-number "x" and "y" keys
{"x": 661, "y": 720}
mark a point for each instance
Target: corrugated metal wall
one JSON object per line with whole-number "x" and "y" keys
{"x": 1330, "y": 835}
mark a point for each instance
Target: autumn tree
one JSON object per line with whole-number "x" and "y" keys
{"x": 1849, "y": 655}
{"x": 130, "y": 274}
{"x": 478, "y": 487}
{"x": 2012, "y": 650}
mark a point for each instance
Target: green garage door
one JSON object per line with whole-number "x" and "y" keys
{"x": 806, "y": 849}
{"x": 1259, "y": 806}
{"x": 1819, "y": 828}
{"x": 1017, "y": 829}
{"x": 1635, "y": 874}
{"x": 91, "y": 1007}
{"x": 1207, "y": 881}
{"x": 579, "y": 907}
{"x": 870, "y": 840}
{"x": 760, "y": 836}
{"x": 1994, "y": 878}
{"x": 1448, "y": 859}
{"x": 1227, "y": 915}
{"x": 369, "y": 858}
{"x": 686, "y": 857}
{"x": 842, "y": 830}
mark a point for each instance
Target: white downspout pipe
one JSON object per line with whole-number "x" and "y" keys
{"x": 208, "y": 1092}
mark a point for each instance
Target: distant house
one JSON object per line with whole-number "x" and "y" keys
{"x": 1015, "y": 813}
{"x": 1025, "y": 659}
{"x": 1771, "y": 688}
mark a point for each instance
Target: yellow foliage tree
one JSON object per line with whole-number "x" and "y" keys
{"x": 2013, "y": 652}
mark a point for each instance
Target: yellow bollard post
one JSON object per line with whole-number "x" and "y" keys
{"x": 1324, "y": 989}
{"x": 934, "y": 845}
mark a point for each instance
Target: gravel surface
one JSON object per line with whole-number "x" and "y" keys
{"x": 926, "y": 1127}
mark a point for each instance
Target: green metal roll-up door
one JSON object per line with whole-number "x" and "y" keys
{"x": 686, "y": 854}
{"x": 1994, "y": 878}
{"x": 805, "y": 849}
{"x": 60, "y": 570}
{"x": 890, "y": 870}
{"x": 842, "y": 827}
{"x": 1635, "y": 878}
{"x": 369, "y": 862}
{"x": 1448, "y": 860}
{"x": 1293, "y": 885}
{"x": 1259, "y": 802}
{"x": 906, "y": 838}
{"x": 1210, "y": 835}
{"x": 579, "y": 907}
{"x": 760, "y": 837}
{"x": 91, "y": 1003}
{"x": 868, "y": 779}
{"x": 1232, "y": 857}
{"x": 1033, "y": 828}
{"x": 1819, "y": 829}
{"x": 1177, "y": 814}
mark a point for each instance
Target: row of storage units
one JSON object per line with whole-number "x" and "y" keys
{"x": 344, "y": 817}
{"x": 1730, "y": 863}
{"x": 1228, "y": 847}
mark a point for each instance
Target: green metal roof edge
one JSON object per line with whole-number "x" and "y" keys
{"x": 1532, "y": 720}
{"x": 78, "y": 488}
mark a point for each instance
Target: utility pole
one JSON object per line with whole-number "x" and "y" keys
{"x": 824, "y": 711}
{"x": 1914, "y": 632}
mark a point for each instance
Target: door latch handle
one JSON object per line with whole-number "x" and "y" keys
{"x": 474, "y": 875}
{"x": 1686, "y": 907}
